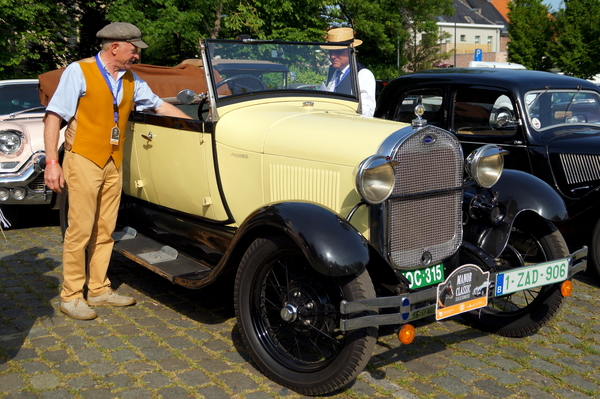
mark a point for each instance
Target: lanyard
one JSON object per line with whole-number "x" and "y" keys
{"x": 119, "y": 85}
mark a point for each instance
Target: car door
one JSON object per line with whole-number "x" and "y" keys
{"x": 171, "y": 159}
{"x": 485, "y": 115}
{"x": 136, "y": 168}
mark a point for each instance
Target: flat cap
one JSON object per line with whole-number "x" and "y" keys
{"x": 122, "y": 32}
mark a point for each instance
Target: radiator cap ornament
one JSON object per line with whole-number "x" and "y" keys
{"x": 419, "y": 122}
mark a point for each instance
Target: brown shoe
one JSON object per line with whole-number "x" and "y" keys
{"x": 110, "y": 298}
{"x": 77, "y": 309}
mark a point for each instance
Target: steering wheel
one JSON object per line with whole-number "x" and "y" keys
{"x": 261, "y": 85}
{"x": 203, "y": 110}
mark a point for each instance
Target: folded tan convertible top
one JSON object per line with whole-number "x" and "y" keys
{"x": 164, "y": 81}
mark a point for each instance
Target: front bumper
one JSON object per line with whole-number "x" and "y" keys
{"x": 420, "y": 304}
{"x": 30, "y": 179}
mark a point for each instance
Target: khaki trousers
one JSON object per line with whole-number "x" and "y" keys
{"x": 94, "y": 197}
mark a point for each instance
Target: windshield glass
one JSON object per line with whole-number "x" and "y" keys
{"x": 242, "y": 67}
{"x": 552, "y": 108}
{"x": 18, "y": 97}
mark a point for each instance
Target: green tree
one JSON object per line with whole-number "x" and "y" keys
{"x": 385, "y": 28}
{"x": 34, "y": 36}
{"x": 91, "y": 16}
{"x": 172, "y": 28}
{"x": 576, "y": 48}
{"x": 422, "y": 47}
{"x": 294, "y": 20}
{"x": 530, "y": 47}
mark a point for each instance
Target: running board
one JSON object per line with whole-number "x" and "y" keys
{"x": 159, "y": 258}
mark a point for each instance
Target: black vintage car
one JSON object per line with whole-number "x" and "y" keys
{"x": 549, "y": 123}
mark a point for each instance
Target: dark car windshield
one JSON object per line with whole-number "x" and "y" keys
{"x": 18, "y": 97}
{"x": 551, "y": 108}
{"x": 257, "y": 66}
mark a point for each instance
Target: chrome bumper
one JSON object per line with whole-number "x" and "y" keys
{"x": 33, "y": 169}
{"x": 420, "y": 304}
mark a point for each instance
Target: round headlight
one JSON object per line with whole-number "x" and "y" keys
{"x": 4, "y": 194}
{"x": 375, "y": 179}
{"x": 10, "y": 141}
{"x": 18, "y": 193}
{"x": 485, "y": 165}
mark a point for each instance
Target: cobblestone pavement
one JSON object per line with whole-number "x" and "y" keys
{"x": 178, "y": 343}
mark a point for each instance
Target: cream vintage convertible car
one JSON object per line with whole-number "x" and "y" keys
{"x": 331, "y": 223}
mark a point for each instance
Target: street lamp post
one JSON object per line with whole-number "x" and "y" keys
{"x": 455, "y": 38}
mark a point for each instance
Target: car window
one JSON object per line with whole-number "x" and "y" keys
{"x": 431, "y": 99}
{"x": 18, "y": 97}
{"x": 553, "y": 108}
{"x": 483, "y": 112}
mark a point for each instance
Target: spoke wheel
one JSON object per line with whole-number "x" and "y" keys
{"x": 289, "y": 319}
{"x": 524, "y": 312}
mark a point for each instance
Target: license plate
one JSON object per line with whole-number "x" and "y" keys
{"x": 533, "y": 276}
{"x": 426, "y": 276}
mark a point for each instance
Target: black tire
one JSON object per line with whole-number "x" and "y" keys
{"x": 524, "y": 312}
{"x": 307, "y": 353}
{"x": 593, "y": 265}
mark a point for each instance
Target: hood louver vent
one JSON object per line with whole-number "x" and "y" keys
{"x": 580, "y": 168}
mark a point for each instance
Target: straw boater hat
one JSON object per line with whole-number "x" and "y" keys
{"x": 341, "y": 35}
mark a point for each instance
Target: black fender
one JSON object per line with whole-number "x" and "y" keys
{"x": 516, "y": 192}
{"x": 332, "y": 246}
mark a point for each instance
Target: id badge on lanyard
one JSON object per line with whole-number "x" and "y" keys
{"x": 115, "y": 132}
{"x": 115, "y": 135}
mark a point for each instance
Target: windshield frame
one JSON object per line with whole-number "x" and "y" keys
{"x": 212, "y": 49}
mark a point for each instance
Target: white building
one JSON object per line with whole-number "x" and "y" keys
{"x": 476, "y": 26}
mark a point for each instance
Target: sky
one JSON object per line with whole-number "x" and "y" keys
{"x": 554, "y": 4}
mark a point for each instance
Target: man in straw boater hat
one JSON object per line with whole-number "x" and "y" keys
{"x": 94, "y": 97}
{"x": 338, "y": 78}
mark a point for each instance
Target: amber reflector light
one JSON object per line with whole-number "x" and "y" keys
{"x": 406, "y": 334}
{"x": 566, "y": 288}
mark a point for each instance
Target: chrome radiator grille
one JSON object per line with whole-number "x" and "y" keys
{"x": 580, "y": 168}
{"x": 37, "y": 185}
{"x": 426, "y": 226}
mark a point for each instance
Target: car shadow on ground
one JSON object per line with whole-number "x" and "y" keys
{"x": 26, "y": 292}
{"x": 28, "y": 216}
{"x": 587, "y": 277}
{"x": 210, "y": 305}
